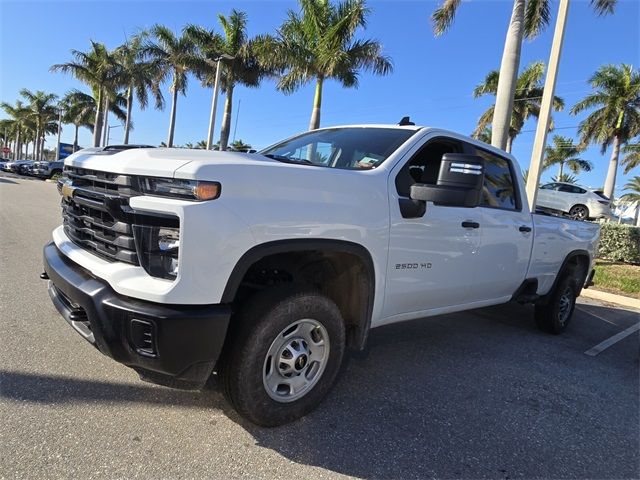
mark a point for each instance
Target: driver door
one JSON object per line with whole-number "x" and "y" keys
{"x": 432, "y": 258}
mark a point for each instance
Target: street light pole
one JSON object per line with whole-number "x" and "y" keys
{"x": 109, "y": 132}
{"x": 545, "y": 106}
{"x": 59, "y": 132}
{"x": 214, "y": 100}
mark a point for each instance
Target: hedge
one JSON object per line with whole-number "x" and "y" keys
{"x": 620, "y": 243}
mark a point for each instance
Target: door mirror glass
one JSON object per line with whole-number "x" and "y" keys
{"x": 459, "y": 183}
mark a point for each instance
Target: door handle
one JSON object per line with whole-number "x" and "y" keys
{"x": 524, "y": 228}
{"x": 470, "y": 224}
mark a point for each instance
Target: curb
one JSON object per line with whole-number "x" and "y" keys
{"x": 610, "y": 297}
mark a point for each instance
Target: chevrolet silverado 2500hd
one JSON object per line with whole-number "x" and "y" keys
{"x": 262, "y": 268}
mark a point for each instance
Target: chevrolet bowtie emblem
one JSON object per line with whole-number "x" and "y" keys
{"x": 67, "y": 191}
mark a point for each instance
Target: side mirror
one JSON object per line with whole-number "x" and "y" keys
{"x": 459, "y": 182}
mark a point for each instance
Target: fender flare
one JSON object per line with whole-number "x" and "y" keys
{"x": 567, "y": 259}
{"x": 263, "y": 250}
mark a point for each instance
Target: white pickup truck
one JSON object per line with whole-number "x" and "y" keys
{"x": 263, "y": 268}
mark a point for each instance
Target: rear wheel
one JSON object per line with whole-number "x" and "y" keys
{"x": 579, "y": 212}
{"x": 285, "y": 356}
{"x": 554, "y": 317}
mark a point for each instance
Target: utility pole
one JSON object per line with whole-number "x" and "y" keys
{"x": 59, "y": 132}
{"x": 214, "y": 100}
{"x": 545, "y": 106}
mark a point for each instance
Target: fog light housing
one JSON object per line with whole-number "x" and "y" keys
{"x": 158, "y": 250}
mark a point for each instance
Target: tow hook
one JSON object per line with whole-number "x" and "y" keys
{"x": 44, "y": 276}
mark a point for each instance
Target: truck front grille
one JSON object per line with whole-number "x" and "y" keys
{"x": 96, "y": 213}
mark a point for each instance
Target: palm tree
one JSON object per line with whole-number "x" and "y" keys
{"x": 201, "y": 144}
{"x": 318, "y": 44}
{"x": 565, "y": 178}
{"x": 616, "y": 119}
{"x": 242, "y": 68}
{"x": 79, "y": 110}
{"x": 564, "y": 152}
{"x": 41, "y": 111}
{"x": 174, "y": 56}
{"x": 528, "y": 19}
{"x": 632, "y": 160}
{"x": 19, "y": 114}
{"x": 98, "y": 69}
{"x": 633, "y": 197}
{"x": 137, "y": 77}
{"x": 526, "y": 103}
{"x": 240, "y": 146}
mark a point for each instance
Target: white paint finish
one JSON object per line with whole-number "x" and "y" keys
{"x": 554, "y": 239}
{"x": 264, "y": 200}
{"x": 592, "y": 352}
{"x": 503, "y": 259}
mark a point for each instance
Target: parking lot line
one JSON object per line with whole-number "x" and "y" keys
{"x": 612, "y": 340}
{"x": 596, "y": 316}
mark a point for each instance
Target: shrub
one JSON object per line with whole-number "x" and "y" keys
{"x": 620, "y": 243}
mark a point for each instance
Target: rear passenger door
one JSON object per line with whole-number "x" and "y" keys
{"x": 507, "y": 230}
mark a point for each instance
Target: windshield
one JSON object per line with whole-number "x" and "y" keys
{"x": 350, "y": 148}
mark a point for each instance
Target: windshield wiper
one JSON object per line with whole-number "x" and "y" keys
{"x": 282, "y": 158}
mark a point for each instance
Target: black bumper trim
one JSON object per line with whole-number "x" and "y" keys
{"x": 187, "y": 339}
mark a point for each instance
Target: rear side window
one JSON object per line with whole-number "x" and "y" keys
{"x": 572, "y": 189}
{"x": 499, "y": 190}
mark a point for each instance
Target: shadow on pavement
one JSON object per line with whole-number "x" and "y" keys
{"x": 49, "y": 389}
{"x": 476, "y": 395}
{"x": 6, "y": 180}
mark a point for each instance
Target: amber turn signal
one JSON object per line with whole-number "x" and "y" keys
{"x": 206, "y": 190}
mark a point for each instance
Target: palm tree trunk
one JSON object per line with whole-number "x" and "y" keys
{"x": 172, "y": 119}
{"x": 225, "y": 129}
{"x": 508, "y": 76}
{"x": 97, "y": 128}
{"x": 75, "y": 138}
{"x": 610, "y": 182}
{"x": 314, "y": 123}
{"x": 637, "y": 219}
{"x": 560, "y": 170}
{"x": 127, "y": 122}
{"x": 16, "y": 150}
{"x": 509, "y": 143}
{"x": 105, "y": 126}
{"x": 36, "y": 145}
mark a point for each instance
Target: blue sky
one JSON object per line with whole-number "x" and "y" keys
{"x": 432, "y": 80}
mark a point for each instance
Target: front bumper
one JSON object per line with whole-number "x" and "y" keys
{"x": 173, "y": 345}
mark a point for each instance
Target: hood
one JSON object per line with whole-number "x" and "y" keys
{"x": 158, "y": 162}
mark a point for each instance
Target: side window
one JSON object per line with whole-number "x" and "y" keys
{"x": 424, "y": 166}
{"x": 549, "y": 186}
{"x": 499, "y": 190}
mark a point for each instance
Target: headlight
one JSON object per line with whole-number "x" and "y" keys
{"x": 178, "y": 188}
{"x": 158, "y": 250}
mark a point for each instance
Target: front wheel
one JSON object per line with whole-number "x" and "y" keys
{"x": 285, "y": 356}
{"x": 554, "y": 317}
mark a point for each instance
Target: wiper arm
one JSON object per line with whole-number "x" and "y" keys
{"x": 282, "y": 158}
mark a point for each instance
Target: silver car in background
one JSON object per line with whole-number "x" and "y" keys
{"x": 578, "y": 202}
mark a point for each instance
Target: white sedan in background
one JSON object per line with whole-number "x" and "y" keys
{"x": 578, "y": 202}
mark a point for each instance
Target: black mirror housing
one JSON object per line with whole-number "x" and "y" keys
{"x": 459, "y": 184}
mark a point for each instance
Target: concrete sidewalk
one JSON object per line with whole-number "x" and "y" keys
{"x": 611, "y": 298}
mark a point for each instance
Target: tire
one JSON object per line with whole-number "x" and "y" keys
{"x": 579, "y": 212}
{"x": 555, "y": 316}
{"x": 288, "y": 325}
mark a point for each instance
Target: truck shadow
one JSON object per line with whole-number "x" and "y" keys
{"x": 462, "y": 395}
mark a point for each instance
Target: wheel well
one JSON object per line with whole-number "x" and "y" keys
{"x": 578, "y": 266}
{"x": 344, "y": 277}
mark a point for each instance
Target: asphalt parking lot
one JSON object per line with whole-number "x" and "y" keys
{"x": 480, "y": 394}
